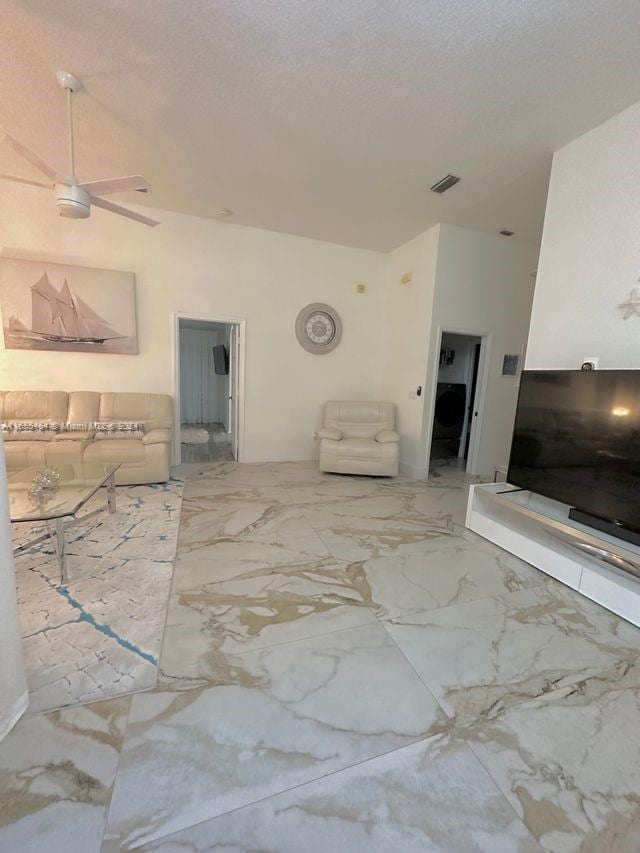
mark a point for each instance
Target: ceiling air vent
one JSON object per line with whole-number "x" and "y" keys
{"x": 444, "y": 184}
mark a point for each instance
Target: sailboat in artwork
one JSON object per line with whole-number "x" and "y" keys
{"x": 60, "y": 315}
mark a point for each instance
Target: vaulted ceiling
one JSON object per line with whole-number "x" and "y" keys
{"x": 329, "y": 120}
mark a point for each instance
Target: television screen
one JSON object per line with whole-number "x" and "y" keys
{"x": 221, "y": 359}
{"x": 577, "y": 439}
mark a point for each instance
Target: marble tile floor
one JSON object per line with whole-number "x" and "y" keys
{"x": 346, "y": 668}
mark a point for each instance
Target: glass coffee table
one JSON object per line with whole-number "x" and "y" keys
{"x": 55, "y": 495}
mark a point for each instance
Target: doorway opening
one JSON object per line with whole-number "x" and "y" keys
{"x": 208, "y": 376}
{"x": 456, "y": 409}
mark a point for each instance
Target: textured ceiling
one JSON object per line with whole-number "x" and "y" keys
{"x": 328, "y": 119}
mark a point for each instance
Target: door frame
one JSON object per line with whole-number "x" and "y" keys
{"x": 478, "y": 404}
{"x": 238, "y": 391}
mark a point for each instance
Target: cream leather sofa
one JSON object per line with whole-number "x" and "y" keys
{"x": 144, "y": 455}
{"x": 359, "y": 438}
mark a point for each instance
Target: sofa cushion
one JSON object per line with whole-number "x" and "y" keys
{"x": 22, "y": 454}
{"x": 155, "y": 409}
{"x": 119, "y": 429}
{"x": 116, "y": 450}
{"x": 74, "y": 435}
{"x": 84, "y": 407}
{"x": 34, "y": 405}
{"x": 16, "y": 435}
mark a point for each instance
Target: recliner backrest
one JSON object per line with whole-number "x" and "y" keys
{"x": 358, "y": 418}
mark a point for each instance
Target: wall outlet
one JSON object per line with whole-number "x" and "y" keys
{"x": 592, "y": 360}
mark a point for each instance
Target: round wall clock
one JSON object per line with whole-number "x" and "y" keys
{"x": 318, "y": 328}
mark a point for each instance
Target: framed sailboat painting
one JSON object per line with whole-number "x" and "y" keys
{"x": 67, "y": 308}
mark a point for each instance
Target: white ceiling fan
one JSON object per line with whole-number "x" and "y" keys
{"x": 74, "y": 199}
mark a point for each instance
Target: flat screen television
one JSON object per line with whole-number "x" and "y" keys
{"x": 221, "y": 359}
{"x": 577, "y": 440}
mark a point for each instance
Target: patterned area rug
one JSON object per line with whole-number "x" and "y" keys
{"x": 99, "y": 634}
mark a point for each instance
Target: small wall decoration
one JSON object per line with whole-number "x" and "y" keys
{"x": 67, "y": 308}
{"x": 510, "y": 364}
{"x": 447, "y": 357}
{"x": 318, "y": 328}
{"x": 632, "y": 305}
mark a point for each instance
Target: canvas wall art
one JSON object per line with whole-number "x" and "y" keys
{"x": 67, "y": 308}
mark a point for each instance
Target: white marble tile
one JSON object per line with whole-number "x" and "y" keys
{"x": 336, "y": 489}
{"x": 276, "y": 718}
{"x": 284, "y": 527}
{"x": 235, "y": 557}
{"x": 448, "y": 570}
{"x": 363, "y": 536}
{"x": 433, "y": 795}
{"x": 257, "y": 609}
{"x": 490, "y": 654}
{"x": 56, "y": 777}
{"x": 569, "y": 762}
{"x": 221, "y": 491}
{"x": 238, "y": 474}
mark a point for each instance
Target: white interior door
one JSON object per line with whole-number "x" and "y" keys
{"x": 234, "y": 387}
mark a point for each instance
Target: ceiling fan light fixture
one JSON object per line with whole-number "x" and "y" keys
{"x": 72, "y": 201}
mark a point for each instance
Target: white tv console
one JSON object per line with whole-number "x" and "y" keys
{"x": 539, "y": 531}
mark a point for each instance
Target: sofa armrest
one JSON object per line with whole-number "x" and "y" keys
{"x": 387, "y": 436}
{"x": 330, "y": 432}
{"x": 157, "y": 436}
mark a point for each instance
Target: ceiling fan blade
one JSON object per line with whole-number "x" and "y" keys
{"x": 25, "y": 181}
{"x": 117, "y": 185}
{"x": 28, "y": 155}
{"x": 122, "y": 211}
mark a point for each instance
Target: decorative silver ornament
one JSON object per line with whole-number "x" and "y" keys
{"x": 318, "y": 328}
{"x": 43, "y": 486}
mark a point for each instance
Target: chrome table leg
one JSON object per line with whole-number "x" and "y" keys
{"x": 60, "y": 527}
{"x": 111, "y": 493}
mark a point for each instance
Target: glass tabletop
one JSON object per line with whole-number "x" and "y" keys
{"x": 46, "y": 492}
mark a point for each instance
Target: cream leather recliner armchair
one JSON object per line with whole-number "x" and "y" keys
{"x": 359, "y": 438}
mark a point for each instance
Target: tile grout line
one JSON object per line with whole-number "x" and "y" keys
{"x": 107, "y": 810}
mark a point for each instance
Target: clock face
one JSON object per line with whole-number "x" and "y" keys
{"x": 318, "y": 328}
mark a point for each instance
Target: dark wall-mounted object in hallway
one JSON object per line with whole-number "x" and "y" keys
{"x": 221, "y": 359}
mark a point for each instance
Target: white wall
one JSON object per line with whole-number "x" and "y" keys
{"x": 590, "y": 254}
{"x": 202, "y": 267}
{"x": 483, "y": 286}
{"x": 13, "y": 686}
{"x": 462, "y": 281}
{"x": 408, "y": 309}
